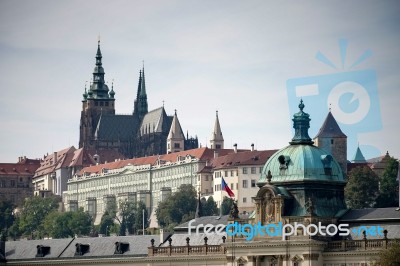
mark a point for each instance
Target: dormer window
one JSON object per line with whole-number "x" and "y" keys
{"x": 81, "y": 249}
{"x": 283, "y": 161}
{"x": 42, "y": 251}
{"x": 327, "y": 163}
{"x": 121, "y": 247}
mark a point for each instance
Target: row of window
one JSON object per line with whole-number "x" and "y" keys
{"x": 245, "y": 170}
{"x": 12, "y": 183}
{"x": 253, "y": 170}
{"x": 245, "y": 184}
{"x": 100, "y": 103}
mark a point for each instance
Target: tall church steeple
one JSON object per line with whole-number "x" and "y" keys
{"x": 141, "y": 106}
{"x": 98, "y": 89}
{"x": 175, "y": 139}
{"x": 217, "y": 140}
{"x": 95, "y": 101}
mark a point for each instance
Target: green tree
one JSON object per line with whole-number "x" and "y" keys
{"x": 7, "y": 216}
{"x": 226, "y": 205}
{"x": 13, "y": 231}
{"x": 178, "y": 208}
{"x": 80, "y": 223}
{"x": 390, "y": 256}
{"x": 106, "y": 223}
{"x": 139, "y": 217}
{"x": 126, "y": 217}
{"x": 388, "y": 187}
{"x": 362, "y": 188}
{"x": 209, "y": 207}
{"x": 56, "y": 224}
{"x": 67, "y": 224}
{"x": 33, "y": 213}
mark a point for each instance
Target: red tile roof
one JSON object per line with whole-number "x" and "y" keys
{"x": 26, "y": 167}
{"x": 200, "y": 153}
{"x": 242, "y": 158}
{"x": 50, "y": 164}
{"x": 119, "y": 164}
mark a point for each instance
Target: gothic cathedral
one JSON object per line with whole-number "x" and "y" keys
{"x": 143, "y": 133}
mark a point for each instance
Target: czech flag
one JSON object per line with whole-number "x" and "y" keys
{"x": 225, "y": 187}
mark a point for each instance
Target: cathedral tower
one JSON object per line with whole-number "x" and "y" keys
{"x": 141, "y": 106}
{"x": 98, "y": 100}
{"x": 175, "y": 139}
{"x": 217, "y": 140}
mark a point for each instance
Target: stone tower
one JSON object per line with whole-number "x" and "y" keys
{"x": 217, "y": 140}
{"x": 331, "y": 138}
{"x": 97, "y": 101}
{"x": 175, "y": 139}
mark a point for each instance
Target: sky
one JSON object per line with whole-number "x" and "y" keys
{"x": 250, "y": 60}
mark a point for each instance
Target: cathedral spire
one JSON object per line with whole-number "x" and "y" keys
{"x": 217, "y": 140}
{"x": 301, "y": 124}
{"x": 176, "y": 138}
{"x": 99, "y": 90}
{"x": 141, "y": 106}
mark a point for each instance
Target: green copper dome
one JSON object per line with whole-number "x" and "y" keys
{"x": 301, "y": 160}
{"x": 301, "y": 163}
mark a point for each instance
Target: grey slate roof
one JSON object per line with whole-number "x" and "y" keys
{"x": 213, "y": 220}
{"x": 65, "y": 248}
{"x": 116, "y": 127}
{"x": 26, "y": 249}
{"x": 105, "y": 246}
{"x": 330, "y": 128}
{"x": 371, "y": 214}
{"x": 356, "y": 231}
{"x": 155, "y": 121}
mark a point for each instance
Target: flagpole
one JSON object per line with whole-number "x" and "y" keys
{"x": 220, "y": 205}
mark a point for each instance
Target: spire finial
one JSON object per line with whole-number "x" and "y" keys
{"x": 217, "y": 112}
{"x": 175, "y": 111}
{"x": 301, "y": 105}
{"x": 163, "y": 103}
{"x": 330, "y": 107}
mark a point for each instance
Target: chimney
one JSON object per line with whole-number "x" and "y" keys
{"x": 215, "y": 154}
{"x": 164, "y": 235}
{"x": 235, "y": 147}
{"x": 252, "y": 146}
{"x": 55, "y": 157}
{"x": 96, "y": 158}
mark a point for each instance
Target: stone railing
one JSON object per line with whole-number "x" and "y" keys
{"x": 363, "y": 244}
{"x": 186, "y": 250}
